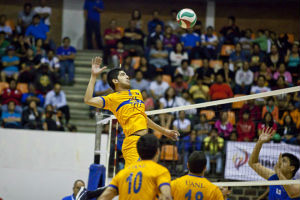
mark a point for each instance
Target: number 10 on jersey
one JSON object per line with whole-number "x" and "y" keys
{"x": 137, "y": 184}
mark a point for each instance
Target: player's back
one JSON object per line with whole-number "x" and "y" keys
{"x": 140, "y": 180}
{"x": 191, "y": 187}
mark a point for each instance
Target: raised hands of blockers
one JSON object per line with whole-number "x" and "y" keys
{"x": 266, "y": 134}
{"x": 96, "y": 66}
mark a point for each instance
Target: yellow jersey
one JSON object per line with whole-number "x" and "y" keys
{"x": 191, "y": 187}
{"x": 129, "y": 109}
{"x": 140, "y": 181}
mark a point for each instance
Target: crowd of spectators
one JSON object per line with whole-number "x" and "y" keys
{"x": 33, "y": 70}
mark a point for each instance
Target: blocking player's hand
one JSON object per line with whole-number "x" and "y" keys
{"x": 172, "y": 134}
{"x": 278, "y": 164}
{"x": 96, "y": 66}
{"x": 266, "y": 134}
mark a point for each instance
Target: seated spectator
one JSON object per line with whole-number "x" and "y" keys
{"x": 245, "y": 128}
{"x": 111, "y": 37}
{"x": 156, "y": 35}
{"x": 177, "y": 56}
{"x": 170, "y": 40}
{"x": 36, "y": 29}
{"x": 136, "y": 16}
{"x": 267, "y": 122}
{"x": 230, "y": 33}
{"x": 259, "y": 88}
{"x": 44, "y": 79}
{"x": 206, "y": 73}
{"x": 148, "y": 101}
{"x": 44, "y": 11}
{"x": 102, "y": 87}
{"x": 203, "y": 128}
{"x": 158, "y": 87}
{"x": 213, "y": 146}
{"x": 49, "y": 124}
{"x": 52, "y": 61}
{"x": 118, "y": 54}
{"x": 6, "y": 29}
{"x": 256, "y": 58}
{"x": 32, "y": 95}
{"x": 149, "y": 71}
{"x": 255, "y": 111}
{"x": 198, "y": 27}
{"x": 280, "y": 83}
{"x": 57, "y": 99}
{"x": 134, "y": 39}
{"x": 236, "y": 58}
{"x": 139, "y": 82}
{"x": 186, "y": 71}
{"x": 155, "y": 20}
{"x": 26, "y": 15}
{"x": 294, "y": 113}
{"x": 246, "y": 42}
{"x": 29, "y": 64}
{"x": 191, "y": 143}
{"x": 10, "y": 63}
{"x": 38, "y": 48}
{"x": 77, "y": 185}
{"x": 281, "y": 71}
{"x": 172, "y": 22}
{"x": 66, "y": 55}
{"x": 220, "y": 90}
{"x": 274, "y": 58}
{"x": 191, "y": 43}
{"x": 21, "y": 45}
{"x": 200, "y": 92}
{"x": 3, "y": 43}
{"x": 293, "y": 59}
{"x": 223, "y": 126}
{"x": 228, "y": 75}
{"x": 271, "y": 108}
{"x": 158, "y": 56}
{"x": 179, "y": 85}
{"x": 127, "y": 66}
{"x": 243, "y": 79}
{"x": 11, "y": 118}
{"x": 210, "y": 43}
{"x": 288, "y": 130}
{"x": 32, "y": 117}
{"x": 264, "y": 71}
{"x": 261, "y": 40}
{"x": 187, "y": 100}
{"x": 11, "y": 94}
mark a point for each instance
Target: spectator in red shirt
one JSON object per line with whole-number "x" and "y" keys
{"x": 245, "y": 128}
{"x": 255, "y": 111}
{"x": 111, "y": 37}
{"x": 119, "y": 54}
{"x": 220, "y": 90}
{"x": 179, "y": 85}
{"x": 11, "y": 94}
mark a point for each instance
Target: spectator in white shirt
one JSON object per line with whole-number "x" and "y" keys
{"x": 178, "y": 55}
{"x": 259, "y": 88}
{"x": 158, "y": 87}
{"x": 210, "y": 43}
{"x": 186, "y": 71}
{"x": 4, "y": 27}
{"x": 44, "y": 11}
{"x": 57, "y": 99}
{"x": 52, "y": 60}
{"x": 243, "y": 79}
{"x": 139, "y": 82}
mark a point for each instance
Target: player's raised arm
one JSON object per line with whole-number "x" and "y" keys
{"x": 264, "y": 172}
{"x": 96, "y": 70}
{"x": 172, "y": 134}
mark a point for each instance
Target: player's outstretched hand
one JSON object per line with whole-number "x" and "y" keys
{"x": 278, "y": 164}
{"x": 172, "y": 134}
{"x": 96, "y": 63}
{"x": 266, "y": 134}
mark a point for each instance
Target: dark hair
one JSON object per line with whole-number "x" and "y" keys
{"x": 36, "y": 16}
{"x": 166, "y": 93}
{"x": 138, "y": 71}
{"x": 292, "y": 124}
{"x": 197, "y": 162}
{"x": 271, "y": 123}
{"x": 79, "y": 180}
{"x": 261, "y": 76}
{"x": 147, "y": 146}
{"x": 102, "y": 74}
{"x": 271, "y": 99}
{"x": 28, "y": 4}
{"x": 178, "y": 76}
{"x": 231, "y": 18}
{"x": 185, "y": 60}
{"x": 113, "y": 74}
{"x": 294, "y": 161}
{"x": 66, "y": 38}
{"x": 139, "y": 17}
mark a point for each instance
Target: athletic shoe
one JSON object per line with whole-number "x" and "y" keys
{"x": 82, "y": 194}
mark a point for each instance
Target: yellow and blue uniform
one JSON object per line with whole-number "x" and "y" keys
{"x": 129, "y": 109}
{"x": 141, "y": 180}
{"x": 191, "y": 187}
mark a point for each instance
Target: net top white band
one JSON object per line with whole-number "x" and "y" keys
{"x": 257, "y": 183}
{"x": 217, "y": 102}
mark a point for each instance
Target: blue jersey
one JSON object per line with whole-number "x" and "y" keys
{"x": 277, "y": 192}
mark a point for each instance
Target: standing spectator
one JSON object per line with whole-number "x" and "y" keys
{"x": 210, "y": 42}
{"x": 158, "y": 56}
{"x": 37, "y": 30}
{"x": 230, "y": 33}
{"x": 205, "y": 72}
{"x": 172, "y": 22}
{"x": 262, "y": 40}
{"x": 156, "y": 35}
{"x": 102, "y": 87}
{"x": 200, "y": 92}
{"x": 57, "y": 99}
{"x": 66, "y": 55}
{"x": 3, "y": 43}
{"x": 256, "y": 58}
{"x": 11, "y": 94}
{"x": 203, "y": 128}
{"x": 274, "y": 58}
{"x": 11, "y": 118}
{"x": 118, "y": 54}
{"x": 6, "y": 29}
{"x": 139, "y": 82}
{"x": 77, "y": 185}
{"x": 178, "y": 55}
{"x": 26, "y": 15}
{"x": 111, "y": 37}
{"x": 32, "y": 117}
{"x": 243, "y": 79}
{"x": 10, "y": 63}
{"x": 259, "y": 88}
{"x": 155, "y": 20}
{"x": 288, "y": 130}
{"x": 170, "y": 40}
{"x": 271, "y": 108}
{"x": 136, "y": 16}
{"x": 179, "y": 85}
{"x": 186, "y": 71}
{"x": 134, "y": 39}
{"x": 44, "y": 79}
{"x": 223, "y": 126}
{"x": 246, "y": 42}
{"x": 32, "y": 95}
{"x": 267, "y": 122}
{"x": 245, "y": 128}
{"x": 236, "y": 57}
{"x": 220, "y": 90}
{"x": 213, "y": 145}
{"x": 255, "y": 111}
{"x": 293, "y": 59}
{"x": 52, "y": 61}
{"x": 50, "y": 124}
{"x": 282, "y": 72}
{"x": 265, "y": 71}
{"x": 44, "y": 11}
{"x": 92, "y": 10}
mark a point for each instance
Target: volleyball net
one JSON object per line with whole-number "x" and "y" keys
{"x": 226, "y": 130}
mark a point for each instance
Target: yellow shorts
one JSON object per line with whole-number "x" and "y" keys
{"x": 129, "y": 150}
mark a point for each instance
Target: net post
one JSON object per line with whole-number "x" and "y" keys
{"x": 97, "y": 154}
{"x": 108, "y": 150}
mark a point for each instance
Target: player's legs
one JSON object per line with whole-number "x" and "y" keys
{"x": 129, "y": 150}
